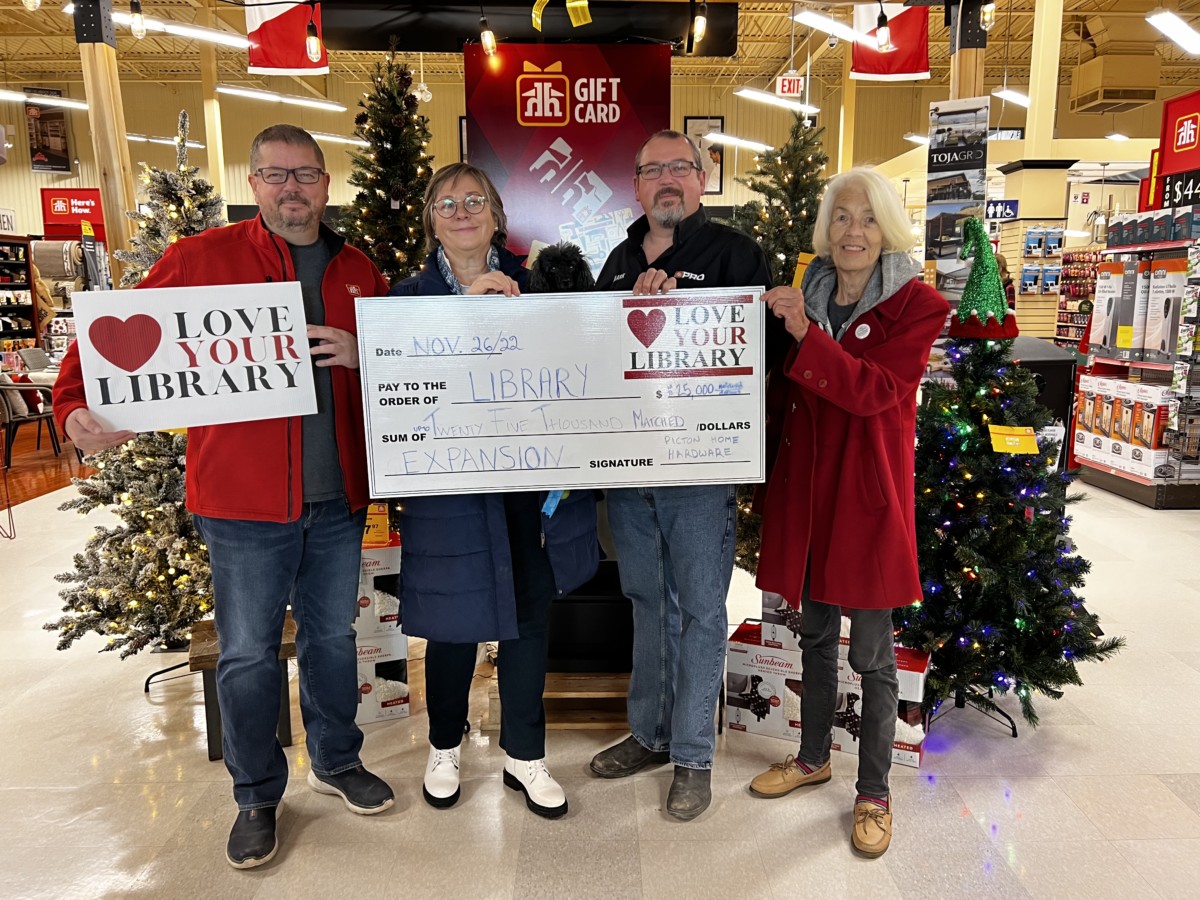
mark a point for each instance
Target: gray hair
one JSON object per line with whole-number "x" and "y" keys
{"x": 885, "y": 204}
{"x": 670, "y": 135}
{"x": 284, "y": 134}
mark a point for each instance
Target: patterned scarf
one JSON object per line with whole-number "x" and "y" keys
{"x": 456, "y": 287}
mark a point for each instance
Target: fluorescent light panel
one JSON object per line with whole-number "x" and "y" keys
{"x": 179, "y": 29}
{"x": 732, "y": 141}
{"x": 170, "y": 142}
{"x": 1117, "y": 136}
{"x": 775, "y": 100}
{"x": 1007, "y": 93}
{"x": 338, "y": 139}
{"x": 272, "y": 97}
{"x": 917, "y": 138}
{"x": 833, "y": 26}
{"x": 1176, "y": 29}
{"x": 41, "y": 100}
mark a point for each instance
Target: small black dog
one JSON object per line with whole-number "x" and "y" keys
{"x": 559, "y": 269}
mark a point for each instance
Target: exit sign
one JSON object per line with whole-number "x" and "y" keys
{"x": 789, "y": 86}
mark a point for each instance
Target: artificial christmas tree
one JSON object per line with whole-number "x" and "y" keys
{"x": 791, "y": 183}
{"x": 179, "y": 205}
{"x": 999, "y": 571}
{"x": 147, "y": 580}
{"x": 384, "y": 220}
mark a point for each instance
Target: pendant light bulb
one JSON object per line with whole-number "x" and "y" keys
{"x": 700, "y": 25}
{"x": 486, "y": 39}
{"x": 137, "y": 22}
{"x": 883, "y": 34}
{"x": 32, "y": 5}
{"x": 987, "y": 16}
{"x": 312, "y": 43}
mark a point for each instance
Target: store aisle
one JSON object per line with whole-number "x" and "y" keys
{"x": 108, "y": 791}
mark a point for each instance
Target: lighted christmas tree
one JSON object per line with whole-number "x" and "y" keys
{"x": 1000, "y": 609}
{"x": 791, "y": 182}
{"x": 384, "y": 219}
{"x": 146, "y": 580}
{"x": 179, "y": 204}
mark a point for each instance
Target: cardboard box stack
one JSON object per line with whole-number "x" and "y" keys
{"x": 380, "y": 639}
{"x": 1120, "y": 424}
{"x": 764, "y": 687}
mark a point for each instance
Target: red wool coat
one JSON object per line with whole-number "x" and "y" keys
{"x": 841, "y": 487}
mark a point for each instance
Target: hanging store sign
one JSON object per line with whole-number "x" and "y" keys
{"x": 790, "y": 86}
{"x": 64, "y": 210}
{"x": 1179, "y": 140}
{"x": 49, "y": 149}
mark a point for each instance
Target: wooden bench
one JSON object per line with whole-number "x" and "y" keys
{"x": 202, "y": 658}
{"x": 573, "y": 700}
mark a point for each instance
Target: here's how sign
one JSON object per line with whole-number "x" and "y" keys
{"x": 163, "y": 358}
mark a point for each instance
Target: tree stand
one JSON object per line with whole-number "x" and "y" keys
{"x": 963, "y": 696}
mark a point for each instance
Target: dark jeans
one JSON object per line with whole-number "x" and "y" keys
{"x": 258, "y": 568}
{"x": 872, "y": 656}
{"x": 522, "y": 662}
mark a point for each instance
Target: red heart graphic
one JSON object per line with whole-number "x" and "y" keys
{"x": 128, "y": 344}
{"x": 646, "y": 327}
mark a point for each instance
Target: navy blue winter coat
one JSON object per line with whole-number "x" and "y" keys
{"x": 456, "y": 577}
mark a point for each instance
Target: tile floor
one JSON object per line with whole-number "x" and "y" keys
{"x": 108, "y": 792}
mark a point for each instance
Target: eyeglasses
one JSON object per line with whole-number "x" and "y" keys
{"x": 276, "y": 175}
{"x": 448, "y": 206}
{"x": 677, "y": 167}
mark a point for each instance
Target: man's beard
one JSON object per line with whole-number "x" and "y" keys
{"x": 297, "y": 221}
{"x": 668, "y": 217}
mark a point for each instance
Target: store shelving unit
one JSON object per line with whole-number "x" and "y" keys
{"x": 1076, "y": 293}
{"x": 18, "y": 315}
{"x": 1037, "y": 313}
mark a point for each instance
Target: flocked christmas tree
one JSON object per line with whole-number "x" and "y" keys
{"x": 179, "y": 204}
{"x": 384, "y": 220}
{"x": 1000, "y": 574}
{"x": 147, "y": 579}
{"x": 791, "y": 183}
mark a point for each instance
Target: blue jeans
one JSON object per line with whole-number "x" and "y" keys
{"x": 258, "y": 568}
{"x": 675, "y": 550}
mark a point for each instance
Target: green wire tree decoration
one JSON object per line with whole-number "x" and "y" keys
{"x": 384, "y": 219}
{"x": 1000, "y": 610}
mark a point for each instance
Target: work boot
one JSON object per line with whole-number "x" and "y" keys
{"x": 690, "y": 794}
{"x": 626, "y": 758}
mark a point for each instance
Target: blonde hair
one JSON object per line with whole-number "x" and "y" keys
{"x": 446, "y": 177}
{"x": 885, "y": 204}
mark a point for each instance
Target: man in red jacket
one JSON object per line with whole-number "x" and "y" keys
{"x": 280, "y": 502}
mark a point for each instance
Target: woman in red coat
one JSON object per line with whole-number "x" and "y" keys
{"x": 838, "y": 510}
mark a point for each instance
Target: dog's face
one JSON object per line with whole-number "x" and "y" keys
{"x": 561, "y": 268}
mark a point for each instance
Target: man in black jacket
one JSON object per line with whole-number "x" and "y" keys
{"x": 675, "y": 544}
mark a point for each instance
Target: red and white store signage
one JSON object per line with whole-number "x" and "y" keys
{"x": 64, "y": 210}
{"x": 790, "y": 86}
{"x": 1180, "y": 139}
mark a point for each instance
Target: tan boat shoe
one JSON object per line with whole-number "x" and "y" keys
{"x": 783, "y": 778}
{"x": 872, "y": 828}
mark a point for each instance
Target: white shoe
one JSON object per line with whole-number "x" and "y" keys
{"x": 440, "y": 788}
{"x": 542, "y": 793}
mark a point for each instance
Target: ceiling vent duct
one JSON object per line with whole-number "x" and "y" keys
{"x": 1114, "y": 83}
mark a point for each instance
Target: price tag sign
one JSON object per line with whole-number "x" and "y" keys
{"x": 1006, "y": 439}
{"x": 1181, "y": 189}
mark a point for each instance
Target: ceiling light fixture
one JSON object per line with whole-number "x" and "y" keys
{"x": 1004, "y": 92}
{"x": 137, "y": 22}
{"x": 775, "y": 100}
{"x": 170, "y": 142}
{"x": 193, "y": 32}
{"x": 487, "y": 40}
{"x": 987, "y": 16}
{"x": 1176, "y": 29}
{"x": 312, "y": 41}
{"x": 339, "y": 139}
{"x": 41, "y": 100}
{"x": 700, "y": 23}
{"x": 883, "y": 34}
{"x": 917, "y": 138}
{"x": 422, "y": 91}
{"x": 32, "y": 5}
{"x": 272, "y": 97}
{"x": 832, "y": 26}
{"x": 732, "y": 141}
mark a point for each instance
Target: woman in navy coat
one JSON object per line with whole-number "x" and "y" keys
{"x": 486, "y": 567}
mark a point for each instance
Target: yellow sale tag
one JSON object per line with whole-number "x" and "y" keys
{"x": 376, "y": 533}
{"x": 1010, "y": 439}
{"x": 803, "y": 261}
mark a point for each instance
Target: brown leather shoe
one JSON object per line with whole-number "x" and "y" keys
{"x": 783, "y": 778}
{"x": 872, "y": 828}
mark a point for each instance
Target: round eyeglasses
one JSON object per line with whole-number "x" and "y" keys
{"x": 677, "y": 167}
{"x": 448, "y": 206}
{"x": 277, "y": 175}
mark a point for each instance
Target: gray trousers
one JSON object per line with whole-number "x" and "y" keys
{"x": 873, "y": 657}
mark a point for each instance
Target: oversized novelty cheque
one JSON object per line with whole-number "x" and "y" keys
{"x": 176, "y": 357}
{"x": 561, "y": 391}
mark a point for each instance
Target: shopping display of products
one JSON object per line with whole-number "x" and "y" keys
{"x": 379, "y": 637}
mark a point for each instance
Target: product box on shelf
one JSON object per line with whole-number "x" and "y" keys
{"x": 1185, "y": 223}
{"x": 1054, "y": 242}
{"x": 1106, "y": 389}
{"x": 1131, "y": 315}
{"x": 382, "y": 648}
{"x": 382, "y": 691}
{"x": 378, "y": 611}
{"x": 1116, "y": 236}
{"x": 1115, "y": 281}
{"x": 1123, "y": 403}
{"x": 1145, "y": 225}
{"x": 1051, "y": 276}
{"x": 1129, "y": 230}
{"x": 1035, "y": 242}
{"x": 1168, "y": 280}
{"x": 1030, "y": 277}
{"x": 1150, "y": 415}
{"x": 1084, "y": 399}
{"x": 1161, "y": 225}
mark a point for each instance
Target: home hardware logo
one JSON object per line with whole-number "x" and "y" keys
{"x": 1187, "y": 132}
{"x": 59, "y": 206}
{"x": 543, "y": 96}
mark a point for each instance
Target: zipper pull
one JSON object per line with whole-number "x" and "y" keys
{"x": 543, "y": 538}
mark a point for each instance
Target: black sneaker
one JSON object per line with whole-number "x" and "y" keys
{"x": 252, "y": 838}
{"x": 627, "y": 758}
{"x": 362, "y": 792}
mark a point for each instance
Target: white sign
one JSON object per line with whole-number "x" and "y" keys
{"x": 469, "y": 395}
{"x": 790, "y": 86}
{"x": 8, "y": 217}
{"x": 175, "y": 357}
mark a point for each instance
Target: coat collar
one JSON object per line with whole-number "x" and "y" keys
{"x": 265, "y": 237}
{"x": 638, "y": 230}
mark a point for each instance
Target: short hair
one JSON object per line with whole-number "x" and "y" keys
{"x": 885, "y": 203}
{"x": 670, "y": 135}
{"x": 284, "y": 134}
{"x": 446, "y": 176}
